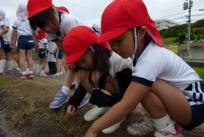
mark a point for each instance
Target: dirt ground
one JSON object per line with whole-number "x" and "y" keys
{"x": 24, "y": 112}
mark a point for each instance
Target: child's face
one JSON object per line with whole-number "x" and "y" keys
{"x": 86, "y": 62}
{"x": 124, "y": 44}
{"x": 52, "y": 26}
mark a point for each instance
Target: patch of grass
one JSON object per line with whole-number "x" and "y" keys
{"x": 3, "y": 80}
{"x": 200, "y": 71}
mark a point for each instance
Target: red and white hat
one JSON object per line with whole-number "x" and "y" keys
{"x": 121, "y": 15}
{"x": 62, "y": 8}
{"x": 41, "y": 34}
{"x": 77, "y": 41}
{"x": 36, "y": 6}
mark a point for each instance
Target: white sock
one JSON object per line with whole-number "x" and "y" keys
{"x": 165, "y": 124}
{"x": 65, "y": 89}
{"x": 27, "y": 71}
{"x": 9, "y": 65}
{"x": 42, "y": 71}
{"x": 30, "y": 71}
{"x": 24, "y": 72}
{"x": 2, "y": 65}
{"x": 37, "y": 68}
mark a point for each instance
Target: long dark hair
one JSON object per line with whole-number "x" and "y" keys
{"x": 40, "y": 20}
{"x": 101, "y": 58}
{"x": 101, "y": 62}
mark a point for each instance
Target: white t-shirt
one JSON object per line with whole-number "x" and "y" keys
{"x": 68, "y": 21}
{"x": 42, "y": 43}
{"x": 22, "y": 27}
{"x": 117, "y": 64}
{"x": 158, "y": 62}
{"x": 51, "y": 47}
{"x": 3, "y": 23}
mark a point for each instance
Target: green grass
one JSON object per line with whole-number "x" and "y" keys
{"x": 169, "y": 41}
{"x": 3, "y": 80}
{"x": 200, "y": 71}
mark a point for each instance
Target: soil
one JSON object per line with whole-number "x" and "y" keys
{"x": 24, "y": 111}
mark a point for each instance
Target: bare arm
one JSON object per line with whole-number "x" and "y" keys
{"x": 35, "y": 39}
{"x": 13, "y": 38}
{"x": 4, "y": 30}
{"x": 132, "y": 97}
{"x": 59, "y": 44}
{"x": 34, "y": 36}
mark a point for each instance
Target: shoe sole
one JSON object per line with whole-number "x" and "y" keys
{"x": 56, "y": 107}
{"x": 94, "y": 118}
{"x": 112, "y": 131}
{"x": 157, "y": 134}
{"x": 84, "y": 104}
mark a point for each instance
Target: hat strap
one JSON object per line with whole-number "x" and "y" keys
{"x": 92, "y": 49}
{"x": 135, "y": 42}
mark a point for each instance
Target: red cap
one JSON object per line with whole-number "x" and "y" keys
{"x": 77, "y": 41}
{"x": 41, "y": 34}
{"x": 62, "y": 8}
{"x": 36, "y": 6}
{"x": 121, "y": 15}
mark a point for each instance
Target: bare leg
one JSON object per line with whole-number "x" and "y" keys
{"x": 2, "y": 54}
{"x": 69, "y": 77}
{"x": 174, "y": 101}
{"x": 154, "y": 105}
{"x": 30, "y": 59}
{"x": 22, "y": 59}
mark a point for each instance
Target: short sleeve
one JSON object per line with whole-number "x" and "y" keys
{"x": 68, "y": 22}
{"x": 148, "y": 67}
{"x": 117, "y": 63}
{"x": 6, "y": 23}
{"x": 15, "y": 24}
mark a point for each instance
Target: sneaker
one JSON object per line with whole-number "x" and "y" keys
{"x": 59, "y": 100}
{"x": 57, "y": 75}
{"x": 94, "y": 113}
{"x": 43, "y": 75}
{"x": 30, "y": 75}
{"x": 84, "y": 101}
{"x": 141, "y": 127}
{"x": 18, "y": 72}
{"x": 113, "y": 128}
{"x": 60, "y": 74}
{"x": 167, "y": 134}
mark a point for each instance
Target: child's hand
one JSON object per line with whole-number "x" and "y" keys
{"x": 71, "y": 110}
{"x": 37, "y": 47}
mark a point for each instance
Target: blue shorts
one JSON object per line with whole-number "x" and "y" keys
{"x": 25, "y": 42}
{"x": 2, "y": 45}
{"x": 59, "y": 54}
{"x": 42, "y": 53}
{"x": 5, "y": 46}
{"x": 197, "y": 109}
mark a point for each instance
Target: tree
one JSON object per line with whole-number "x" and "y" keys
{"x": 181, "y": 37}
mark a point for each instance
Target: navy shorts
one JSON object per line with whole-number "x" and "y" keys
{"x": 5, "y": 46}
{"x": 2, "y": 45}
{"x": 25, "y": 42}
{"x": 59, "y": 54}
{"x": 197, "y": 109}
{"x": 42, "y": 53}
